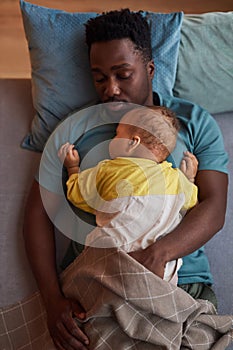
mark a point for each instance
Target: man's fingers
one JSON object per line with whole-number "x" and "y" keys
{"x": 63, "y": 329}
{"x": 77, "y": 310}
{"x": 70, "y": 336}
{"x": 72, "y": 326}
{"x": 62, "y": 341}
{"x": 58, "y": 345}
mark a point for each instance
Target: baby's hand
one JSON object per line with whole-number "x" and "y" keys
{"x": 69, "y": 156}
{"x": 189, "y": 166}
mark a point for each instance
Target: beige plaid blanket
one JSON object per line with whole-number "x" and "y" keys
{"x": 128, "y": 307}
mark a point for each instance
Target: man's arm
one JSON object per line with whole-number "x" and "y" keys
{"x": 40, "y": 248}
{"x": 197, "y": 227}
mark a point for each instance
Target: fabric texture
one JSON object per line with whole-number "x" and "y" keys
{"x": 130, "y": 307}
{"x": 205, "y": 62}
{"x": 61, "y": 76}
{"x": 23, "y": 325}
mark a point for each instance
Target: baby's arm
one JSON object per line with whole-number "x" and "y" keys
{"x": 70, "y": 158}
{"x": 189, "y": 166}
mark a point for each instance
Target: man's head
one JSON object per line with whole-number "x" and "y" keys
{"x": 143, "y": 129}
{"x": 119, "y": 45}
{"x": 123, "y": 24}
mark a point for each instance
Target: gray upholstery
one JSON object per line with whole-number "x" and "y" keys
{"x": 220, "y": 248}
{"x": 17, "y": 169}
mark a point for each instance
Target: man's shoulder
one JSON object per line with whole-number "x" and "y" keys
{"x": 179, "y": 104}
{"x": 186, "y": 111}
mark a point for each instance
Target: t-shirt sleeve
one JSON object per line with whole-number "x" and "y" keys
{"x": 200, "y": 133}
{"x": 208, "y": 143}
{"x": 81, "y": 190}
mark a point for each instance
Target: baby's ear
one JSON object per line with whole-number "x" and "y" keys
{"x": 134, "y": 143}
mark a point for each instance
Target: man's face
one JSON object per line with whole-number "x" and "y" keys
{"x": 119, "y": 73}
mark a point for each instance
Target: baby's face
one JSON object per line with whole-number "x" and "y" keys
{"x": 119, "y": 145}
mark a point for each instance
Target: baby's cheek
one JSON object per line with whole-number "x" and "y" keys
{"x": 112, "y": 148}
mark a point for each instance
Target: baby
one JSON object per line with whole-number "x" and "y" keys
{"x": 137, "y": 196}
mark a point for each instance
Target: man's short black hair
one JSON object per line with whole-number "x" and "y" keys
{"x": 121, "y": 24}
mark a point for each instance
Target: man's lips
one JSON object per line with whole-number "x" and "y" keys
{"x": 115, "y": 105}
{"x": 115, "y": 100}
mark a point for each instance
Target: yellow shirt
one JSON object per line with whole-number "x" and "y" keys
{"x": 122, "y": 177}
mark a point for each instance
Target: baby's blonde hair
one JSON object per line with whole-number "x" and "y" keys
{"x": 157, "y": 127}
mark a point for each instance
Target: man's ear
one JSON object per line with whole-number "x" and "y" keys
{"x": 151, "y": 69}
{"x": 134, "y": 143}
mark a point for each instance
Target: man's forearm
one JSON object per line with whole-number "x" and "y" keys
{"x": 197, "y": 227}
{"x": 40, "y": 245}
{"x": 194, "y": 231}
{"x": 202, "y": 222}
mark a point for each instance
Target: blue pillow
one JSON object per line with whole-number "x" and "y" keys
{"x": 61, "y": 78}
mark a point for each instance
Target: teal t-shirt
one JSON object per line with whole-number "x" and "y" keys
{"x": 91, "y": 130}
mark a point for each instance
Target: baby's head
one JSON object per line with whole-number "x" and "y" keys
{"x": 146, "y": 132}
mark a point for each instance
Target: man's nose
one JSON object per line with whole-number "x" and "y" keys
{"x": 112, "y": 88}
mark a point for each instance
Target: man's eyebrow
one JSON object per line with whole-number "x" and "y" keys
{"x": 118, "y": 66}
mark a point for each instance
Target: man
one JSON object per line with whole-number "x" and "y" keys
{"x": 122, "y": 67}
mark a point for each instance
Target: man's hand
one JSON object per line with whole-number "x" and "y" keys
{"x": 148, "y": 258}
{"x": 63, "y": 329}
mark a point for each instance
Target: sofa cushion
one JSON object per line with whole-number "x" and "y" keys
{"x": 18, "y": 167}
{"x": 220, "y": 248}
